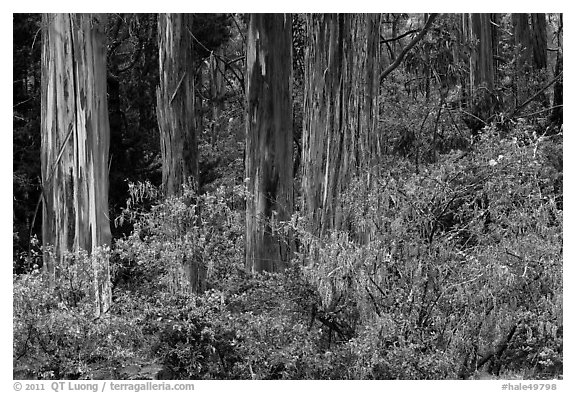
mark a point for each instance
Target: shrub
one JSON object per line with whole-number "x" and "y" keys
{"x": 448, "y": 262}
{"x": 55, "y": 333}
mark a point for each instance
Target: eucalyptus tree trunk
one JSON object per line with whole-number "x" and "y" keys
{"x": 522, "y": 53}
{"x": 540, "y": 48}
{"x": 539, "y": 40}
{"x": 75, "y": 144}
{"x": 557, "y": 112}
{"x": 482, "y": 72}
{"x": 521, "y": 36}
{"x": 175, "y": 103}
{"x": 217, "y": 94}
{"x": 269, "y": 147}
{"x": 176, "y": 120}
{"x": 340, "y": 110}
{"x": 481, "y": 59}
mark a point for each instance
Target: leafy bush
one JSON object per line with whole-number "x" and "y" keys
{"x": 179, "y": 236}
{"x": 448, "y": 262}
{"x": 55, "y": 333}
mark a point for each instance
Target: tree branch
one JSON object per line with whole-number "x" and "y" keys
{"x": 529, "y": 100}
{"x": 414, "y": 41}
{"x": 385, "y": 40}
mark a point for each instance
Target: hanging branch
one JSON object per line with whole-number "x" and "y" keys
{"x": 414, "y": 41}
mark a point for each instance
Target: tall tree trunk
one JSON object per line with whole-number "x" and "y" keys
{"x": 540, "y": 49}
{"x": 75, "y": 144}
{"x": 481, "y": 70}
{"x": 217, "y": 93}
{"x": 175, "y": 106}
{"x": 539, "y": 40}
{"x": 340, "y": 110}
{"x": 268, "y": 139}
{"x": 522, "y": 53}
{"x": 481, "y": 60}
{"x": 521, "y": 37}
{"x": 557, "y": 112}
{"x": 176, "y": 119}
{"x": 496, "y": 39}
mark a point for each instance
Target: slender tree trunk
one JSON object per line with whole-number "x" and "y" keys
{"x": 217, "y": 92}
{"x": 75, "y": 145}
{"x": 175, "y": 106}
{"x": 557, "y": 112}
{"x": 340, "y": 110}
{"x": 540, "y": 48}
{"x": 268, "y": 139}
{"x": 496, "y": 39}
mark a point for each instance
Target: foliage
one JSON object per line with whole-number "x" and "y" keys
{"x": 449, "y": 261}
{"x": 198, "y": 230}
{"x": 55, "y": 333}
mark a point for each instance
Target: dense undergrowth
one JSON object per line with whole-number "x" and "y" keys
{"x": 451, "y": 271}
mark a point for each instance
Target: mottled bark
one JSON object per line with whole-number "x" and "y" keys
{"x": 75, "y": 145}
{"x": 176, "y": 120}
{"x": 340, "y": 110}
{"x": 175, "y": 103}
{"x": 268, "y": 139}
